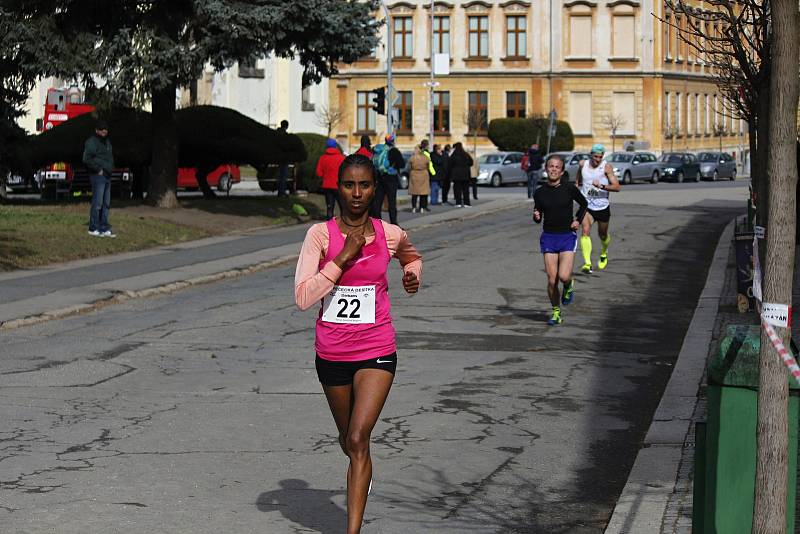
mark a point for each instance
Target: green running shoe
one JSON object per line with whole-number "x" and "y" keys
{"x": 556, "y": 318}
{"x": 587, "y": 268}
{"x": 566, "y": 298}
{"x": 603, "y": 262}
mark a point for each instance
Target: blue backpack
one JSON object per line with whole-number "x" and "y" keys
{"x": 380, "y": 158}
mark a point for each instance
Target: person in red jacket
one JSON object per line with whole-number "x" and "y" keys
{"x": 366, "y": 147}
{"x": 328, "y": 169}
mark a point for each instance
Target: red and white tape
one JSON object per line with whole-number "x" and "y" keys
{"x": 787, "y": 357}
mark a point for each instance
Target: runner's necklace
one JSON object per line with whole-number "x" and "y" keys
{"x": 353, "y": 225}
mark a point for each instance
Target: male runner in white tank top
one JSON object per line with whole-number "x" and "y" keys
{"x": 595, "y": 180}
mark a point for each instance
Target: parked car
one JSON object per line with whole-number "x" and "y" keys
{"x": 715, "y": 165}
{"x": 17, "y": 183}
{"x": 223, "y": 178}
{"x": 632, "y": 166}
{"x": 680, "y": 166}
{"x": 500, "y": 168}
{"x": 571, "y": 161}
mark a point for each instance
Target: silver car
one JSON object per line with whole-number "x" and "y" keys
{"x": 715, "y": 165}
{"x": 632, "y": 166}
{"x": 571, "y": 164}
{"x": 500, "y": 168}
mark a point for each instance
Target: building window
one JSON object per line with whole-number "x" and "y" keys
{"x": 516, "y": 36}
{"x": 580, "y": 36}
{"x": 406, "y": 110}
{"x": 697, "y": 117}
{"x": 667, "y": 36}
{"x": 678, "y": 118}
{"x": 623, "y": 106}
{"x": 247, "y": 69}
{"x": 679, "y": 43}
{"x": 707, "y": 122}
{"x": 441, "y": 111}
{"x": 478, "y": 111}
{"x": 716, "y": 112}
{"x": 479, "y": 36}
{"x": 365, "y": 116}
{"x": 689, "y": 115}
{"x": 580, "y": 112}
{"x": 403, "y": 37}
{"x": 624, "y": 36}
{"x": 441, "y": 35}
{"x": 515, "y": 104}
{"x": 305, "y": 99}
{"x": 667, "y": 112}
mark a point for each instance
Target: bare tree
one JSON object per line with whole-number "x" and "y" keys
{"x": 720, "y": 130}
{"x": 613, "y": 123}
{"x": 769, "y": 511}
{"x": 731, "y": 38}
{"x": 329, "y": 117}
{"x": 476, "y": 123}
{"x": 670, "y": 133}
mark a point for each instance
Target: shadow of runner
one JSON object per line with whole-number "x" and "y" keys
{"x": 302, "y": 505}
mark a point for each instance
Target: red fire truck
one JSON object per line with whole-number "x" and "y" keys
{"x": 62, "y": 178}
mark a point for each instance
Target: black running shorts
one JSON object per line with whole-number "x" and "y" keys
{"x": 332, "y": 373}
{"x": 602, "y": 215}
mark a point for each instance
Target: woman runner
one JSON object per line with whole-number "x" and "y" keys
{"x": 344, "y": 263}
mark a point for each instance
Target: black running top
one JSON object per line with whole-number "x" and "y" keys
{"x": 555, "y": 204}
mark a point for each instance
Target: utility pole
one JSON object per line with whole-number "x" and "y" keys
{"x": 432, "y": 83}
{"x": 391, "y": 97}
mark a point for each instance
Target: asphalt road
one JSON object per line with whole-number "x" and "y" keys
{"x": 200, "y": 411}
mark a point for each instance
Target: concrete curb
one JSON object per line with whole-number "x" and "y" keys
{"x": 120, "y": 296}
{"x": 643, "y": 501}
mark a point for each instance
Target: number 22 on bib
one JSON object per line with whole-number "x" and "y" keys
{"x": 349, "y": 305}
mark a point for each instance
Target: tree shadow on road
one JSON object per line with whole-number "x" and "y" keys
{"x": 302, "y": 505}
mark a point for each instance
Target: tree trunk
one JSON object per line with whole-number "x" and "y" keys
{"x": 769, "y": 514}
{"x": 3, "y": 192}
{"x": 164, "y": 165}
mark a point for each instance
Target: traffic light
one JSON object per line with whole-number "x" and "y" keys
{"x": 380, "y": 100}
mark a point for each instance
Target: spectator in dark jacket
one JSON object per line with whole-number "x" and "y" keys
{"x": 99, "y": 158}
{"x": 388, "y": 179}
{"x": 445, "y": 180}
{"x": 534, "y": 169}
{"x": 440, "y": 165}
{"x": 328, "y": 169}
{"x": 460, "y": 165}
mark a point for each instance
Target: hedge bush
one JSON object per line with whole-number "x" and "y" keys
{"x": 519, "y": 134}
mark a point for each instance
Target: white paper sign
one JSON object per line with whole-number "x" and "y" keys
{"x": 777, "y": 314}
{"x": 441, "y": 64}
{"x": 760, "y": 232}
{"x": 349, "y": 305}
{"x": 756, "y": 273}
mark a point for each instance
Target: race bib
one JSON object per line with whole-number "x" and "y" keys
{"x": 349, "y": 305}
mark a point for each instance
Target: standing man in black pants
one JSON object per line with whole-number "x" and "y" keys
{"x": 444, "y": 181}
{"x": 388, "y": 162}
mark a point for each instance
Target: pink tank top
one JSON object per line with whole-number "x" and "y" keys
{"x": 354, "y": 342}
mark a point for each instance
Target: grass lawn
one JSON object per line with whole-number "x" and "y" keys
{"x": 33, "y": 234}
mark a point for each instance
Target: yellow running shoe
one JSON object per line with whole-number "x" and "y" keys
{"x": 587, "y": 268}
{"x": 603, "y": 262}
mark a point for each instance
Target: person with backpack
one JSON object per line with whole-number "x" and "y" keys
{"x": 532, "y": 165}
{"x": 388, "y": 162}
{"x": 366, "y": 147}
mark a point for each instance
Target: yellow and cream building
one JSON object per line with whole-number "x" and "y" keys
{"x": 589, "y": 60}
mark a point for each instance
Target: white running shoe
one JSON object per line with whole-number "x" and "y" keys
{"x": 95, "y": 233}
{"x": 459, "y": 205}
{"x": 108, "y": 233}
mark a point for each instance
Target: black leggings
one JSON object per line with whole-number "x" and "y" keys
{"x": 423, "y": 201}
{"x": 330, "y": 202}
{"x": 461, "y": 191}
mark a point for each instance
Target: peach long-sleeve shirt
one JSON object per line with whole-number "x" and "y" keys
{"x": 311, "y": 284}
